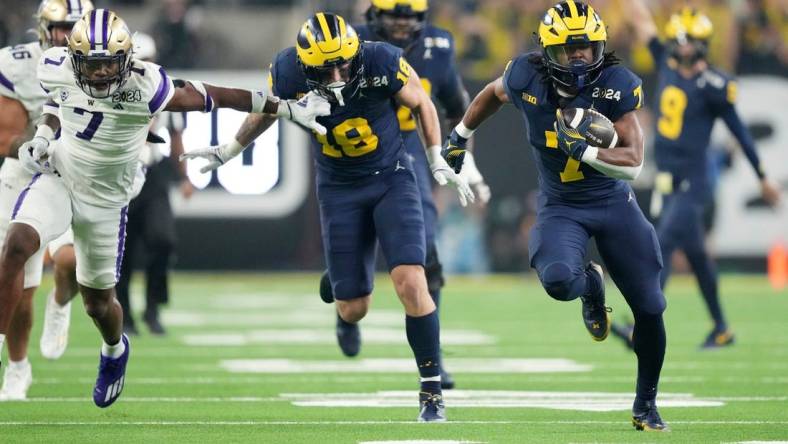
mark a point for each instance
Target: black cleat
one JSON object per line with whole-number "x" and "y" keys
{"x": 595, "y": 314}
{"x": 649, "y": 420}
{"x": 717, "y": 339}
{"x": 348, "y": 337}
{"x": 152, "y": 321}
{"x": 447, "y": 381}
{"x": 624, "y": 332}
{"x": 326, "y": 293}
{"x": 432, "y": 408}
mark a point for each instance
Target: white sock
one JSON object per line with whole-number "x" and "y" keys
{"x": 431, "y": 378}
{"x": 113, "y": 351}
{"x": 2, "y": 341}
{"x": 17, "y": 365}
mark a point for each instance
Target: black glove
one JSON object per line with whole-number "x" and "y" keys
{"x": 453, "y": 151}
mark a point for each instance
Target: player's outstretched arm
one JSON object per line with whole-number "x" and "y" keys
{"x": 769, "y": 191}
{"x": 413, "y": 96}
{"x": 484, "y": 105}
{"x": 194, "y": 95}
{"x": 640, "y": 20}
{"x": 13, "y": 126}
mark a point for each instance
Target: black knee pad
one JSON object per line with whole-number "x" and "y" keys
{"x": 557, "y": 281}
{"x": 434, "y": 270}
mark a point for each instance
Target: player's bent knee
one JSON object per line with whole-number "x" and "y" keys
{"x": 353, "y": 310}
{"x": 64, "y": 259}
{"x": 21, "y": 243}
{"x": 558, "y": 279}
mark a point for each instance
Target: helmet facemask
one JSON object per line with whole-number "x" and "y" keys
{"x": 100, "y": 76}
{"x": 399, "y": 26}
{"x": 573, "y": 66}
{"x": 688, "y": 50}
{"x": 322, "y": 79}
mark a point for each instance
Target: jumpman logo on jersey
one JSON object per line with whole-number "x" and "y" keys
{"x": 630, "y": 197}
{"x": 399, "y": 167}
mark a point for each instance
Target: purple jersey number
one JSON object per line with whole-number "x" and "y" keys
{"x": 93, "y": 125}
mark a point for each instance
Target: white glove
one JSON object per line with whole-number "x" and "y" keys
{"x": 474, "y": 177}
{"x": 444, "y": 174}
{"x": 217, "y": 155}
{"x": 35, "y": 154}
{"x": 305, "y": 110}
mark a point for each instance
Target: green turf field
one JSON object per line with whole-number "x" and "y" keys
{"x": 276, "y": 336}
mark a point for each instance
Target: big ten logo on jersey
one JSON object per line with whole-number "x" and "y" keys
{"x": 134, "y": 95}
{"x": 435, "y": 42}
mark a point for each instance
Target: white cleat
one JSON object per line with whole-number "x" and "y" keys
{"x": 54, "y": 338}
{"x": 16, "y": 381}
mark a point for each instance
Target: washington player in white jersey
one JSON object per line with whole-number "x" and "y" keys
{"x": 21, "y": 100}
{"x": 101, "y": 101}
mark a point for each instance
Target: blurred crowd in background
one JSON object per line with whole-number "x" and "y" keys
{"x": 750, "y": 37}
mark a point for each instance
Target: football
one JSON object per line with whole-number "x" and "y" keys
{"x": 601, "y": 133}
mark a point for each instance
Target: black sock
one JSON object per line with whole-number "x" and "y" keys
{"x": 424, "y": 338}
{"x": 649, "y": 341}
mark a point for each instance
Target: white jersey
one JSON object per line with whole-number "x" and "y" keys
{"x": 100, "y": 141}
{"x": 18, "y": 81}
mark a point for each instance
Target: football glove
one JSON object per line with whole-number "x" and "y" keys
{"x": 217, "y": 155}
{"x": 444, "y": 174}
{"x": 454, "y": 150}
{"x": 571, "y": 140}
{"x": 35, "y": 156}
{"x": 305, "y": 111}
{"x": 474, "y": 177}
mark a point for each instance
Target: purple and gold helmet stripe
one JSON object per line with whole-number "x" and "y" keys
{"x": 92, "y": 29}
{"x": 99, "y": 24}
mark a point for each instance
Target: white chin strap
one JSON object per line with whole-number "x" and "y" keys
{"x": 337, "y": 88}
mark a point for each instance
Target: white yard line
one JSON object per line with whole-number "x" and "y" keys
{"x": 401, "y": 366}
{"x": 356, "y": 423}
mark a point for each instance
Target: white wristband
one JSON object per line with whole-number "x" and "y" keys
{"x": 231, "y": 150}
{"x": 259, "y": 98}
{"x": 45, "y": 131}
{"x": 464, "y": 131}
{"x": 433, "y": 153}
{"x": 590, "y": 154}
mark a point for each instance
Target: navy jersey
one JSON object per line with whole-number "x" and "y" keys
{"x": 363, "y": 136}
{"x": 432, "y": 57}
{"x": 617, "y": 92}
{"x": 686, "y": 111}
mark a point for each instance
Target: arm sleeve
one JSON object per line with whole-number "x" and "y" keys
{"x": 736, "y": 126}
{"x": 165, "y": 89}
{"x": 7, "y": 80}
{"x": 657, "y": 49}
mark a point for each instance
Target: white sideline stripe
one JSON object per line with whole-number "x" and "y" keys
{"x": 401, "y": 366}
{"x": 355, "y": 423}
{"x": 578, "y": 401}
{"x": 323, "y": 336}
